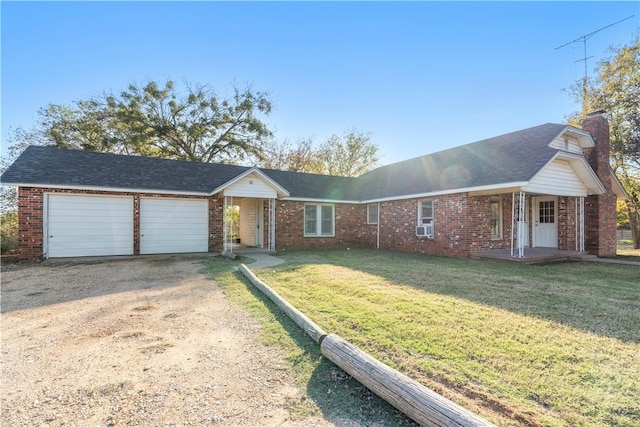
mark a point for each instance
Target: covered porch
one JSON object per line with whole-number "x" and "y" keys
{"x": 249, "y": 212}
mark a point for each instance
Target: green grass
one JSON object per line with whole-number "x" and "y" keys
{"x": 552, "y": 345}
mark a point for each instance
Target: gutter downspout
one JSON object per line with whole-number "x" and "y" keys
{"x": 378, "y": 229}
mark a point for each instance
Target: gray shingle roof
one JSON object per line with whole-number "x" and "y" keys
{"x": 512, "y": 157}
{"x": 313, "y": 186}
{"x": 59, "y": 166}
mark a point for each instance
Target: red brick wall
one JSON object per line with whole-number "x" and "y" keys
{"x": 567, "y": 223}
{"x": 461, "y": 225}
{"x": 600, "y": 210}
{"x": 30, "y": 222}
{"x": 351, "y": 228}
{"x": 216, "y": 220}
{"x": 31, "y": 218}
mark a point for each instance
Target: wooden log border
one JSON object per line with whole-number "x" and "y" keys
{"x": 421, "y": 404}
{"x": 310, "y": 328}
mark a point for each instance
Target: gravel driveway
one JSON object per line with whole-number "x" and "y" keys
{"x": 145, "y": 341}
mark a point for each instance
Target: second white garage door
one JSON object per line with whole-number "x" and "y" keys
{"x": 173, "y": 225}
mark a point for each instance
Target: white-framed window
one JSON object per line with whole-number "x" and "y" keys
{"x": 425, "y": 218}
{"x": 319, "y": 220}
{"x": 496, "y": 219}
{"x": 372, "y": 213}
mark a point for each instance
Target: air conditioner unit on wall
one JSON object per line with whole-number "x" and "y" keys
{"x": 425, "y": 230}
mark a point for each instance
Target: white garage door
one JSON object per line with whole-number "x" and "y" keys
{"x": 89, "y": 225}
{"x": 173, "y": 225}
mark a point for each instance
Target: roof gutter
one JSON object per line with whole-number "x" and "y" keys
{"x": 483, "y": 188}
{"x": 107, "y": 189}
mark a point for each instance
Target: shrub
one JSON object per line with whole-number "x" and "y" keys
{"x": 9, "y": 232}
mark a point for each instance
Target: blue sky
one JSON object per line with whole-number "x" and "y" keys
{"x": 420, "y": 76}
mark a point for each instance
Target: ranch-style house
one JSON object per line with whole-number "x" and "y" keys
{"x": 549, "y": 186}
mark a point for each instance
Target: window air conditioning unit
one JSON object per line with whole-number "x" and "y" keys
{"x": 425, "y": 230}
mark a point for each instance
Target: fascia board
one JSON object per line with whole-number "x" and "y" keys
{"x": 110, "y": 189}
{"x": 312, "y": 200}
{"x": 484, "y": 188}
{"x": 586, "y": 136}
{"x": 617, "y": 185}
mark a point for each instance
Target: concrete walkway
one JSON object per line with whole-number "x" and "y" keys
{"x": 262, "y": 260}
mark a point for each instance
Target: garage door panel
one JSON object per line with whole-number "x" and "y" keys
{"x": 89, "y": 225}
{"x": 93, "y": 237}
{"x": 173, "y": 225}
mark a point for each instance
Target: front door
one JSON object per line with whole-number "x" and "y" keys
{"x": 545, "y": 222}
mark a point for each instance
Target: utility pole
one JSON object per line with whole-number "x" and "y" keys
{"x": 584, "y": 39}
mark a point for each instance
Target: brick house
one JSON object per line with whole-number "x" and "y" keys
{"x": 546, "y": 186}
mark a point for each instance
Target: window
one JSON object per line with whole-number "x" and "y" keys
{"x": 546, "y": 212}
{"x": 496, "y": 219}
{"x": 318, "y": 220}
{"x": 425, "y": 218}
{"x": 372, "y": 213}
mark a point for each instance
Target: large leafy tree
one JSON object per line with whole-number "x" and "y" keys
{"x": 616, "y": 90}
{"x": 188, "y": 123}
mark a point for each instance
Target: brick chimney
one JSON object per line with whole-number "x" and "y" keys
{"x": 600, "y": 210}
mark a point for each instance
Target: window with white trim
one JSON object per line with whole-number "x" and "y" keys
{"x": 318, "y": 220}
{"x": 372, "y": 213}
{"x": 496, "y": 219}
{"x": 425, "y": 218}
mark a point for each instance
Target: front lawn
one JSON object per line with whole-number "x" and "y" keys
{"x": 548, "y": 345}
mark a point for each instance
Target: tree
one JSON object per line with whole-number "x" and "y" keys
{"x": 193, "y": 124}
{"x": 349, "y": 155}
{"x": 616, "y": 90}
{"x": 18, "y": 140}
{"x": 301, "y": 157}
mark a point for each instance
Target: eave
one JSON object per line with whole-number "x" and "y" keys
{"x": 107, "y": 189}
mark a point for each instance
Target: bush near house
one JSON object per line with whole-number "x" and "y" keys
{"x": 9, "y": 232}
{"x": 552, "y": 345}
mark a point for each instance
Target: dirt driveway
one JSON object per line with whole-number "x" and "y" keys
{"x": 135, "y": 342}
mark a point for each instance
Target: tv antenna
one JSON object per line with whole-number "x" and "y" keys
{"x": 584, "y": 39}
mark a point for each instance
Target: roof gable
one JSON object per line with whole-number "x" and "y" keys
{"x": 252, "y": 183}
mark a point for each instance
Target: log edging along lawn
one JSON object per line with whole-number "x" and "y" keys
{"x": 418, "y": 402}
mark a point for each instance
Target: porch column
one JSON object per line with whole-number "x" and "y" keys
{"x": 272, "y": 224}
{"x": 581, "y": 224}
{"x": 227, "y": 225}
{"x": 518, "y": 223}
